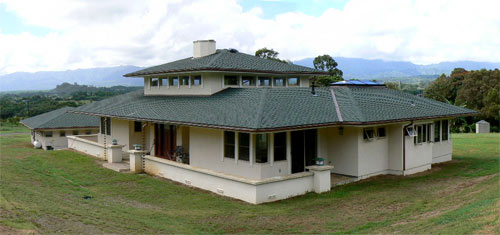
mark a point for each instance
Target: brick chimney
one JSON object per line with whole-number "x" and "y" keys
{"x": 203, "y": 48}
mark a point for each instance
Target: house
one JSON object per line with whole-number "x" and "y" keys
{"x": 254, "y": 129}
{"x": 49, "y": 130}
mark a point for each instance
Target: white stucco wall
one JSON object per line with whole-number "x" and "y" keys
{"x": 86, "y": 146}
{"x": 341, "y": 151}
{"x": 57, "y": 141}
{"x": 373, "y": 155}
{"x": 236, "y": 187}
{"x": 206, "y": 151}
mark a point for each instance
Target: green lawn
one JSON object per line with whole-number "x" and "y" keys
{"x": 43, "y": 191}
{"x": 7, "y": 128}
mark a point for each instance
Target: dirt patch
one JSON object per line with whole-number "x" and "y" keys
{"x": 465, "y": 184}
{"x": 8, "y": 230}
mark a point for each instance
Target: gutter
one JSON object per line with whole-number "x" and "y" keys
{"x": 404, "y": 145}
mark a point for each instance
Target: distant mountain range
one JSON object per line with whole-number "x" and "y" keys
{"x": 352, "y": 68}
{"x": 385, "y": 70}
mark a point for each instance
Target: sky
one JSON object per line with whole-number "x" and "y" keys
{"x": 70, "y": 34}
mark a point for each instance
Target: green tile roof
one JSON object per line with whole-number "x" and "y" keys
{"x": 226, "y": 60}
{"x": 61, "y": 118}
{"x": 261, "y": 109}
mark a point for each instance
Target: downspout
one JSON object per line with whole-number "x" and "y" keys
{"x": 404, "y": 145}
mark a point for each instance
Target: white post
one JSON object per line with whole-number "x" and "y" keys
{"x": 289, "y": 151}
{"x": 252, "y": 148}
{"x": 271, "y": 148}
{"x": 322, "y": 180}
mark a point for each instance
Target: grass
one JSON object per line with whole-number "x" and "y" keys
{"x": 8, "y": 128}
{"x": 43, "y": 191}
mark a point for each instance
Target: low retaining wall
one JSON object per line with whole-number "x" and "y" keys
{"x": 252, "y": 191}
{"x": 87, "y": 146}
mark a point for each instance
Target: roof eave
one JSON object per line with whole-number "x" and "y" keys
{"x": 284, "y": 128}
{"x": 311, "y": 73}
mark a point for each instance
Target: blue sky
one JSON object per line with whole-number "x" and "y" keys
{"x": 271, "y": 8}
{"x": 11, "y": 23}
{"x": 70, "y": 34}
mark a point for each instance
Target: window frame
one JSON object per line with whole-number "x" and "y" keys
{"x": 410, "y": 131}
{"x": 445, "y": 132}
{"x": 157, "y": 80}
{"x": 228, "y": 145}
{"x": 265, "y": 157}
{"x": 277, "y": 146}
{"x": 378, "y": 132}
{"x": 164, "y": 82}
{"x": 265, "y": 78}
{"x": 194, "y": 78}
{"x": 366, "y": 135}
{"x": 173, "y": 81}
{"x": 252, "y": 80}
{"x": 62, "y": 133}
{"x": 227, "y": 77}
{"x": 137, "y": 126}
{"x": 283, "y": 79}
{"x": 183, "y": 80}
{"x": 244, "y": 146}
{"x": 437, "y": 131}
{"x": 291, "y": 84}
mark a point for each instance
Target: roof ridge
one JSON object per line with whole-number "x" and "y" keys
{"x": 357, "y": 106}
{"x": 216, "y": 56}
{"x": 260, "y": 109}
{"x": 337, "y": 108}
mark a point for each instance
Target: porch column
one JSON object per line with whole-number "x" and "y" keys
{"x": 136, "y": 160}
{"x": 322, "y": 180}
{"x": 289, "y": 151}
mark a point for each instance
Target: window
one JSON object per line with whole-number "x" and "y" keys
{"x": 174, "y": 81}
{"x": 244, "y": 146}
{"x": 437, "y": 131}
{"x": 410, "y": 131}
{"x": 445, "y": 129}
{"x": 247, "y": 81}
{"x": 185, "y": 81}
{"x": 368, "y": 133}
{"x": 420, "y": 135}
{"x": 261, "y": 143}
{"x": 154, "y": 82}
{"x": 196, "y": 80}
{"x": 62, "y": 133}
{"x": 279, "y": 81}
{"x": 293, "y": 81}
{"x": 88, "y": 132}
{"x": 230, "y": 80}
{"x": 381, "y": 132}
{"x": 163, "y": 81}
{"x": 229, "y": 142}
{"x": 137, "y": 126}
{"x": 280, "y": 146}
{"x": 264, "y": 81}
{"x": 424, "y": 133}
{"x": 48, "y": 134}
{"x": 75, "y": 132}
{"x": 429, "y": 132}
{"x": 105, "y": 122}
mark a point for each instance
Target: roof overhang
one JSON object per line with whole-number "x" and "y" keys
{"x": 276, "y": 129}
{"x": 207, "y": 70}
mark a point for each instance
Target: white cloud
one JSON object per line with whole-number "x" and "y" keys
{"x": 107, "y": 33}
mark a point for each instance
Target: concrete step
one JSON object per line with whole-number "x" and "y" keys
{"x": 118, "y": 166}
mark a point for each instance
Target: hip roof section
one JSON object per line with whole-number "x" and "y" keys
{"x": 227, "y": 60}
{"x": 61, "y": 118}
{"x": 266, "y": 109}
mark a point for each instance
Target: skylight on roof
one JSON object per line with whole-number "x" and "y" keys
{"x": 357, "y": 83}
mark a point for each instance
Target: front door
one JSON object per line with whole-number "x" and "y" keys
{"x": 304, "y": 147}
{"x": 165, "y": 138}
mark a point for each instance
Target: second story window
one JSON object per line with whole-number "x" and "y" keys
{"x": 264, "y": 81}
{"x": 230, "y": 80}
{"x": 196, "y": 80}
{"x": 174, "y": 81}
{"x": 163, "y": 81}
{"x": 184, "y": 80}
{"x": 293, "y": 81}
{"x": 247, "y": 81}
{"x": 279, "y": 82}
{"x": 154, "y": 82}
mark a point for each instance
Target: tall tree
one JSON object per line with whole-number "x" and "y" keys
{"x": 327, "y": 63}
{"x": 271, "y": 55}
